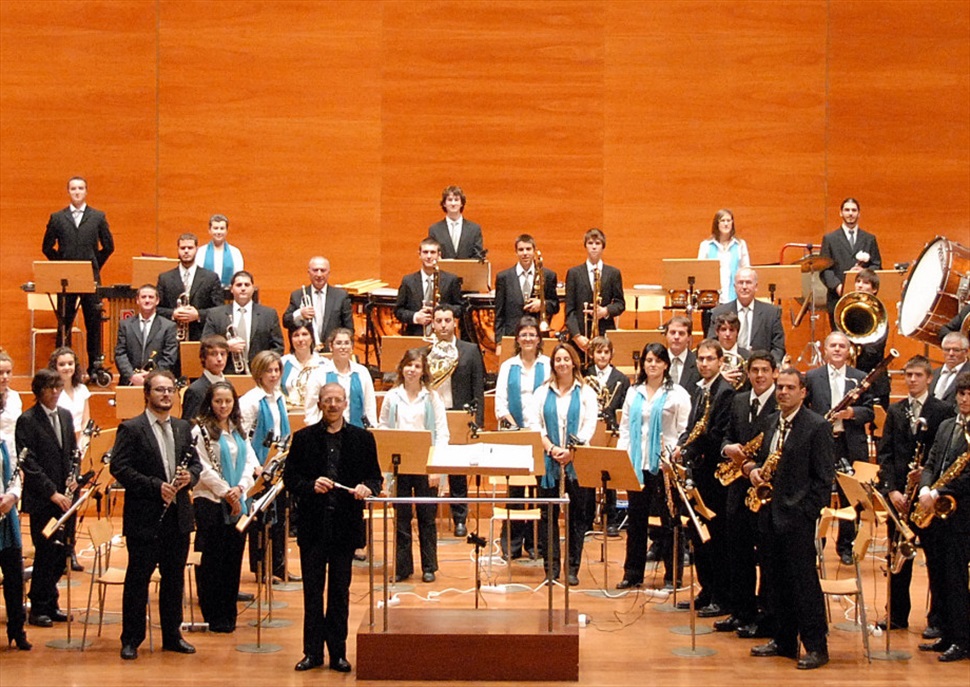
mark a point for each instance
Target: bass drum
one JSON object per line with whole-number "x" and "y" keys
{"x": 938, "y": 282}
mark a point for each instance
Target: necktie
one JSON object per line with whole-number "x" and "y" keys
{"x": 943, "y": 383}
{"x": 56, "y": 424}
{"x": 754, "y": 409}
{"x": 318, "y": 306}
{"x": 836, "y": 386}
{"x": 144, "y": 338}
{"x": 526, "y": 285}
{"x": 185, "y": 281}
{"x": 915, "y": 408}
{"x": 78, "y": 214}
{"x": 428, "y": 295}
{"x": 675, "y": 366}
{"x": 242, "y": 330}
{"x": 168, "y": 448}
{"x": 852, "y": 238}
{"x": 744, "y": 336}
{"x": 453, "y": 230}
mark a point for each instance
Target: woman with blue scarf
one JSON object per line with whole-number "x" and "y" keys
{"x": 301, "y": 357}
{"x": 565, "y": 406}
{"x": 518, "y": 378}
{"x": 352, "y": 376}
{"x": 264, "y": 416}
{"x": 228, "y": 466}
{"x": 413, "y": 405}
{"x": 729, "y": 250}
{"x": 655, "y": 414}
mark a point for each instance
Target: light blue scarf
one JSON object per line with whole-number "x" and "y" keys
{"x": 356, "y": 397}
{"x": 232, "y": 472}
{"x": 429, "y": 418}
{"x": 550, "y": 414}
{"x": 734, "y": 254}
{"x": 514, "y": 389}
{"x": 655, "y": 431}
{"x": 264, "y": 425}
{"x": 228, "y": 269}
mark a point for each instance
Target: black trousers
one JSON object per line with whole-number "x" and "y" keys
{"x": 415, "y": 485}
{"x": 329, "y": 568}
{"x": 91, "y": 309}
{"x": 50, "y": 557}
{"x": 711, "y": 558}
{"x": 217, "y": 575}
{"x": 741, "y": 533}
{"x": 168, "y": 552}
{"x": 276, "y": 513}
{"x": 458, "y": 487}
{"x": 900, "y": 604}
{"x": 932, "y": 548}
{"x": 12, "y": 567}
{"x": 952, "y": 556}
{"x": 642, "y": 504}
{"x": 579, "y": 497}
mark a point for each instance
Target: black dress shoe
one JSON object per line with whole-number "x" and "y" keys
{"x": 846, "y": 559}
{"x": 222, "y": 628}
{"x": 20, "y": 641}
{"x": 360, "y": 557}
{"x": 40, "y": 620}
{"x": 179, "y": 647}
{"x": 128, "y": 652}
{"x": 751, "y": 631}
{"x": 572, "y": 579}
{"x": 400, "y": 577}
{"x": 653, "y": 554}
{"x": 460, "y": 529}
{"x": 813, "y": 660}
{"x": 612, "y": 531}
{"x": 339, "y": 664}
{"x": 896, "y": 626}
{"x": 954, "y": 653}
{"x": 729, "y": 624}
{"x": 244, "y": 597}
{"x": 932, "y": 632}
{"x": 683, "y": 605}
{"x": 426, "y": 577}
{"x": 75, "y": 566}
{"x": 59, "y": 617}
{"x": 626, "y": 583}
{"x": 939, "y": 646}
{"x": 711, "y": 611}
{"x": 308, "y": 663}
{"x": 771, "y": 649}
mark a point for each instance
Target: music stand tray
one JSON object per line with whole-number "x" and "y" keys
{"x": 50, "y": 275}
{"x": 519, "y": 437}
{"x": 189, "y": 357}
{"x": 482, "y": 459}
{"x": 678, "y": 271}
{"x": 629, "y": 342}
{"x": 146, "y": 270}
{"x": 786, "y": 278}
{"x": 412, "y": 449}
{"x": 475, "y": 275}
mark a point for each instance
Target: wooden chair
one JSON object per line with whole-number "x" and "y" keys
{"x": 849, "y": 586}
{"x": 509, "y": 515}
{"x": 39, "y": 302}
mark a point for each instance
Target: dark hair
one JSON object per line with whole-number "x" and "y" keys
{"x": 598, "y": 342}
{"x": 242, "y": 273}
{"x": 452, "y": 191}
{"x": 219, "y": 218}
{"x": 868, "y": 275}
{"x": 683, "y": 321}
{"x": 447, "y": 307}
{"x": 45, "y": 378}
{"x": 527, "y": 322}
{"x": 294, "y": 329}
{"x": 337, "y": 332}
{"x": 64, "y": 350}
{"x": 795, "y": 372}
{"x": 187, "y": 236}
{"x": 147, "y": 286}
{"x": 761, "y": 354}
{"x": 524, "y": 238}
{"x": 210, "y": 342}
{"x": 208, "y": 417}
{"x": 594, "y": 233}
{"x": 410, "y": 356}
{"x": 577, "y": 371}
{"x": 850, "y": 200}
{"x": 428, "y": 241}
{"x": 712, "y": 344}
{"x": 660, "y": 351}
{"x": 77, "y": 178}
{"x": 921, "y": 362}
{"x": 718, "y": 216}
{"x": 155, "y": 374}
{"x": 963, "y": 381}
{"x": 730, "y": 319}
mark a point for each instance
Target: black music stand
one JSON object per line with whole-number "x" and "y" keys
{"x": 264, "y": 569}
{"x": 889, "y": 654}
{"x": 64, "y": 277}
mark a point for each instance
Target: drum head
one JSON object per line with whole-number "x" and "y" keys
{"x": 922, "y": 286}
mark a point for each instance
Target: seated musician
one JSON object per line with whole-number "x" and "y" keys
{"x": 217, "y": 255}
{"x": 320, "y": 306}
{"x": 146, "y": 341}
{"x": 416, "y": 295}
{"x": 515, "y": 291}
{"x": 584, "y": 318}
{"x": 459, "y": 238}
{"x": 299, "y": 365}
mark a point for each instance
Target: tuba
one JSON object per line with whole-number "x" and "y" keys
{"x": 539, "y": 291}
{"x": 182, "y": 326}
{"x": 862, "y": 317}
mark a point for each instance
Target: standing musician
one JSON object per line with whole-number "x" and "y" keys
{"x": 459, "y": 238}
{"x": 516, "y": 291}
{"x": 257, "y": 327}
{"x": 146, "y": 341}
{"x": 827, "y": 386}
{"x": 79, "y": 232}
{"x": 955, "y": 347}
{"x": 154, "y": 459}
{"x": 802, "y": 442}
{"x": 581, "y": 282}
{"x": 655, "y": 412}
{"x": 299, "y": 364}
{"x": 331, "y": 469}
{"x": 709, "y": 417}
{"x": 849, "y": 248}
{"x": 412, "y": 404}
{"x": 217, "y": 255}
{"x": 47, "y": 431}
{"x": 871, "y": 354}
{"x": 565, "y": 408}
{"x": 897, "y": 453}
{"x": 759, "y": 323}
{"x": 750, "y": 413}
{"x": 352, "y": 376}
{"x": 11, "y": 544}
{"x": 726, "y": 326}
{"x": 518, "y": 378}
{"x": 683, "y": 362}
{"x": 228, "y": 466}
{"x": 947, "y": 476}
{"x": 202, "y": 286}
{"x": 415, "y": 297}
{"x": 320, "y": 306}
{"x": 213, "y": 353}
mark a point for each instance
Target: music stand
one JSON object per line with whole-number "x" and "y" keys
{"x": 781, "y": 281}
{"x": 458, "y": 427}
{"x": 697, "y": 275}
{"x": 475, "y": 275}
{"x": 189, "y": 357}
{"x": 146, "y": 270}
{"x": 264, "y": 575}
{"x": 130, "y": 402}
{"x": 241, "y": 383}
{"x": 627, "y": 344}
{"x": 63, "y": 277}
{"x": 604, "y": 468}
{"x": 860, "y": 501}
{"x": 393, "y": 349}
{"x": 888, "y": 654}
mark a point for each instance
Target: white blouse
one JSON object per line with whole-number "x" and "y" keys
{"x": 75, "y": 405}
{"x": 410, "y": 414}
{"x": 211, "y": 484}
{"x": 588, "y": 411}
{"x": 319, "y": 378}
{"x": 527, "y": 381}
{"x": 676, "y": 412}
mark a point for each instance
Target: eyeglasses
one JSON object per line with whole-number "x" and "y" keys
{"x": 164, "y": 389}
{"x": 954, "y": 350}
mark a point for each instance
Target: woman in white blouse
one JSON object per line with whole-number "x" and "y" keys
{"x": 411, "y": 404}
{"x": 655, "y": 414}
{"x": 353, "y": 377}
{"x": 565, "y": 407}
{"x": 228, "y": 466}
{"x": 75, "y": 395}
{"x": 11, "y": 405}
{"x": 301, "y": 358}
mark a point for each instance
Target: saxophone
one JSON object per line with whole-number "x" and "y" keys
{"x": 912, "y": 479}
{"x": 729, "y": 470}
{"x": 701, "y": 425}
{"x": 539, "y": 291}
{"x": 945, "y": 505}
{"x": 761, "y": 495}
{"x": 182, "y": 326}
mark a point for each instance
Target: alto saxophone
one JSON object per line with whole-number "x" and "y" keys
{"x": 539, "y": 291}
{"x": 761, "y": 495}
{"x": 182, "y": 326}
{"x": 239, "y": 363}
{"x": 729, "y": 470}
{"x": 701, "y": 425}
{"x": 945, "y": 505}
{"x": 912, "y": 479}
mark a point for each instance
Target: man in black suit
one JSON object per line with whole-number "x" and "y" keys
{"x": 849, "y": 247}
{"x": 464, "y": 387}
{"x": 323, "y": 456}
{"x": 213, "y": 353}
{"x": 203, "y": 286}
{"x": 710, "y": 404}
{"x": 47, "y": 430}
{"x": 514, "y": 288}
{"x": 956, "y": 323}
{"x": 827, "y": 386}
{"x": 760, "y": 323}
{"x": 459, "y": 238}
{"x": 414, "y": 297}
{"x": 154, "y": 458}
{"x": 801, "y": 484}
{"x": 145, "y": 341}
{"x": 955, "y": 350}
{"x": 683, "y": 362}
{"x": 900, "y": 435}
{"x": 257, "y": 326}
{"x": 79, "y": 232}
{"x": 949, "y": 548}
{"x": 579, "y": 292}
{"x": 328, "y": 306}
{"x": 750, "y": 413}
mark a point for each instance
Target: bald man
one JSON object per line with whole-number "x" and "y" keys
{"x": 319, "y": 306}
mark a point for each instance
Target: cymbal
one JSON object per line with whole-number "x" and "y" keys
{"x": 814, "y": 263}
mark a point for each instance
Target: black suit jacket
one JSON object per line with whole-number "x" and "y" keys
{"x": 91, "y": 240}
{"x": 740, "y": 430}
{"x": 898, "y": 442}
{"x": 836, "y": 247}
{"x": 265, "y": 333}
{"x": 410, "y": 296}
{"x": 337, "y": 512}
{"x": 193, "y": 397}
{"x": 509, "y": 301}
{"x": 338, "y": 312}
{"x": 803, "y": 481}
{"x": 47, "y": 468}
{"x": 469, "y": 244}
{"x": 819, "y": 399}
{"x": 162, "y": 340}
{"x": 705, "y": 451}
{"x": 136, "y": 462}
{"x": 205, "y": 293}
{"x": 950, "y": 397}
{"x": 468, "y": 380}
{"x": 956, "y": 323}
{"x": 689, "y": 376}
{"x": 767, "y": 333}
{"x": 950, "y": 443}
{"x": 579, "y": 291}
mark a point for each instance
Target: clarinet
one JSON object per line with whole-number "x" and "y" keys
{"x": 183, "y": 463}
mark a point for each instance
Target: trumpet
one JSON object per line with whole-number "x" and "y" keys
{"x": 306, "y": 301}
{"x": 539, "y": 291}
{"x": 148, "y": 366}
{"x": 182, "y": 326}
{"x": 239, "y": 364}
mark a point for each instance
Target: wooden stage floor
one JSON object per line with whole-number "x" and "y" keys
{"x": 628, "y": 640}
